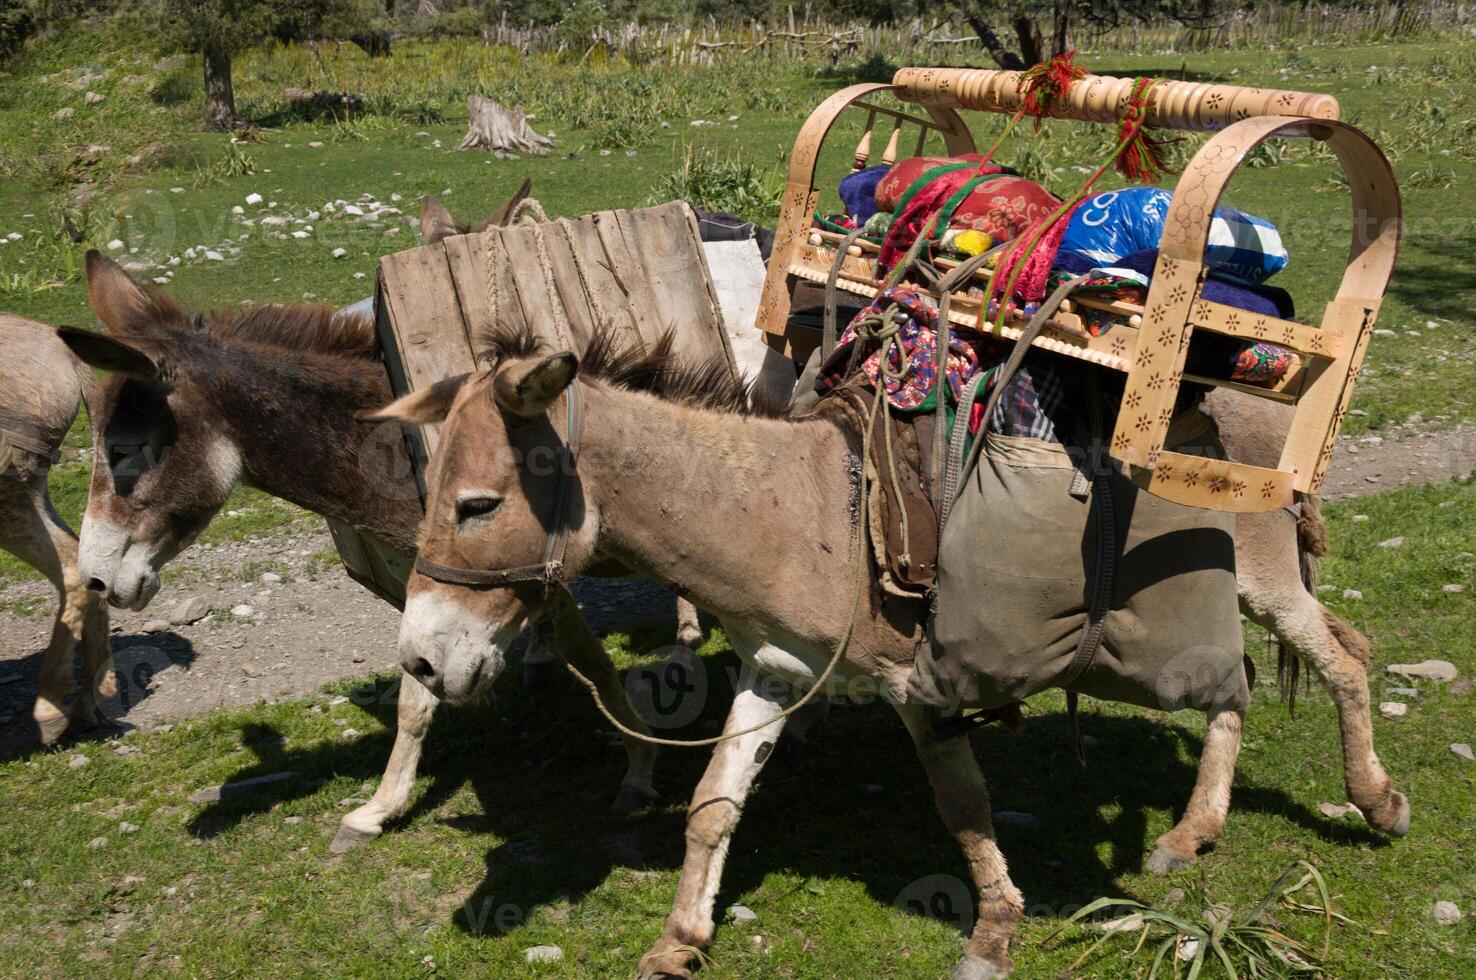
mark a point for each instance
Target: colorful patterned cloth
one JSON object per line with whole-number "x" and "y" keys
{"x": 916, "y": 369}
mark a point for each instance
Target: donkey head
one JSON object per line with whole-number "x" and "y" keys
{"x": 160, "y": 469}
{"x": 494, "y": 495}
{"x": 436, "y": 222}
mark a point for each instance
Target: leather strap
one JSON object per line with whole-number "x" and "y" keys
{"x": 551, "y": 572}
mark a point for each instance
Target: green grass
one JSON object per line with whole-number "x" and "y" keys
{"x": 509, "y": 845}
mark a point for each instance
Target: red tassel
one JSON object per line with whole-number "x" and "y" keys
{"x": 1045, "y": 83}
{"x": 1141, "y": 156}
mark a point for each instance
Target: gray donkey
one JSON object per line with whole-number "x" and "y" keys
{"x": 41, "y": 385}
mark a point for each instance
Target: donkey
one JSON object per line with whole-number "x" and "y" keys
{"x": 783, "y": 594}
{"x": 270, "y": 396}
{"x": 41, "y": 385}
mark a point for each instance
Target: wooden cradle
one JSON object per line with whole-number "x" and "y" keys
{"x": 1151, "y": 346}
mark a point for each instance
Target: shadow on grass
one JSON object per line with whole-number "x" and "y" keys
{"x": 544, "y": 767}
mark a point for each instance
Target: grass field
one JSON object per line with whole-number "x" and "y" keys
{"x": 509, "y": 844}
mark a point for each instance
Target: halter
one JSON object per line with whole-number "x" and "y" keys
{"x": 550, "y": 572}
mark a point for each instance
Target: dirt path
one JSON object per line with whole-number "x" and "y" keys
{"x": 267, "y": 638}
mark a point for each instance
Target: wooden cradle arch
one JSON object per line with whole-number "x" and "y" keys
{"x": 1150, "y": 346}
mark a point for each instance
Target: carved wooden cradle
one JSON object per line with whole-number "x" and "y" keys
{"x": 1150, "y": 346}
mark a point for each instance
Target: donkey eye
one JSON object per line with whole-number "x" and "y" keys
{"x": 470, "y": 508}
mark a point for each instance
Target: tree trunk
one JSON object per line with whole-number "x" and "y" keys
{"x": 1002, "y": 55}
{"x": 1027, "y": 31}
{"x": 1061, "y": 30}
{"x": 220, "y": 98}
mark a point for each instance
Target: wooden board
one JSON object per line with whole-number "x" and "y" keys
{"x": 639, "y": 273}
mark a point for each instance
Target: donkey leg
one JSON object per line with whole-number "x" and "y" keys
{"x": 417, "y": 705}
{"x": 97, "y": 655}
{"x": 539, "y": 660}
{"x": 689, "y": 630}
{"x": 1272, "y": 595}
{"x": 962, "y": 799}
{"x": 583, "y": 651}
{"x": 711, "y": 819}
{"x": 1204, "y": 818}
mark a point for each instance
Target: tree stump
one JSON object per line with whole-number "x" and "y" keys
{"x": 493, "y": 126}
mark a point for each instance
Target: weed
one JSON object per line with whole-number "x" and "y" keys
{"x": 714, "y": 182}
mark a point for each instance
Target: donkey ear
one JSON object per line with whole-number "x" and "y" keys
{"x": 527, "y": 387}
{"x": 423, "y": 407}
{"x": 107, "y": 354}
{"x": 502, "y": 215}
{"x": 436, "y": 222}
{"x": 119, "y": 302}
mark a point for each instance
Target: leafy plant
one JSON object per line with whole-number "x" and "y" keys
{"x": 721, "y": 183}
{"x": 1247, "y": 944}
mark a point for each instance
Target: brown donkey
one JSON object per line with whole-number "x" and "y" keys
{"x": 41, "y": 385}
{"x": 643, "y": 473}
{"x": 270, "y": 396}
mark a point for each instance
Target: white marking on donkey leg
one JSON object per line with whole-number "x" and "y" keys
{"x": 716, "y": 806}
{"x": 1204, "y": 817}
{"x": 689, "y": 629}
{"x": 962, "y": 799}
{"x": 413, "y": 718}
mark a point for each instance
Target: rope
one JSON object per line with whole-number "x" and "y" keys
{"x": 529, "y": 210}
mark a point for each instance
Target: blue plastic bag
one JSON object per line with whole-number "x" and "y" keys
{"x": 1111, "y": 225}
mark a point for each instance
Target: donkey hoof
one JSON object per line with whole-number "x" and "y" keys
{"x": 978, "y": 968}
{"x": 689, "y": 638}
{"x": 52, "y": 723}
{"x": 349, "y": 838}
{"x": 630, "y": 799}
{"x": 1163, "y": 861}
{"x": 1392, "y": 817}
{"x": 107, "y": 681}
{"x": 665, "y": 963}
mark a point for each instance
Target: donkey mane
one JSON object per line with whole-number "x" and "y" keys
{"x": 614, "y": 358}
{"x": 312, "y": 327}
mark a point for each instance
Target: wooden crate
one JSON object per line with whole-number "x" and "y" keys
{"x": 640, "y": 273}
{"x": 1151, "y": 346}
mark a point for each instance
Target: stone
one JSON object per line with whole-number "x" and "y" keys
{"x": 243, "y": 611}
{"x": 1429, "y": 670}
{"x": 339, "y": 253}
{"x": 242, "y": 787}
{"x": 127, "y": 828}
{"x": 543, "y": 954}
{"x": 1352, "y": 594}
{"x": 214, "y": 256}
{"x": 1454, "y": 588}
{"x": 77, "y": 761}
{"x": 96, "y": 843}
{"x": 1385, "y": 332}
{"x": 1402, "y": 692}
{"x": 741, "y": 915}
{"x": 1446, "y": 914}
{"x": 270, "y": 578}
{"x": 349, "y": 734}
{"x": 1339, "y": 811}
{"x": 189, "y": 610}
{"x": 1016, "y": 819}
{"x": 92, "y": 98}
{"x": 293, "y": 820}
{"x": 1463, "y": 750}
{"x": 157, "y": 626}
{"x": 1393, "y": 542}
{"x": 65, "y": 113}
{"x": 253, "y": 198}
{"x": 1393, "y": 709}
{"x": 1359, "y": 518}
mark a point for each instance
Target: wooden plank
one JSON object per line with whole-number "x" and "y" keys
{"x": 625, "y": 265}
{"x": 608, "y": 303}
{"x": 1325, "y": 396}
{"x": 1158, "y": 363}
{"x": 671, "y": 261}
{"x": 536, "y": 294}
{"x": 468, "y": 259}
{"x": 423, "y": 315}
{"x": 569, "y": 282}
{"x": 1235, "y": 322}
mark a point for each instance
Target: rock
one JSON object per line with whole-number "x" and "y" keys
{"x": 741, "y": 914}
{"x": 1339, "y": 811}
{"x": 250, "y": 671}
{"x": 315, "y": 144}
{"x": 253, "y": 198}
{"x": 115, "y": 244}
{"x": 1446, "y": 914}
{"x": 243, "y": 611}
{"x": 157, "y": 626}
{"x": 127, "y": 828}
{"x": 1393, "y": 709}
{"x": 92, "y": 98}
{"x": 214, "y": 256}
{"x": 352, "y": 801}
{"x": 189, "y": 610}
{"x": 349, "y": 734}
{"x": 1454, "y": 588}
{"x": 339, "y": 253}
{"x": 543, "y": 954}
{"x": 1016, "y": 819}
{"x": 1402, "y": 692}
{"x": 270, "y": 578}
{"x": 1188, "y": 948}
{"x": 1385, "y": 332}
{"x": 96, "y": 843}
{"x": 293, "y": 820}
{"x": 1393, "y": 542}
{"x": 1430, "y": 670}
{"x": 1359, "y": 518}
{"x": 64, "y": 113}
{"x": 77, "y": 761}
{"x": 1463, "y": 750}
{"x": 1352, "y": 594}
{"x": 242, "y": 787}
